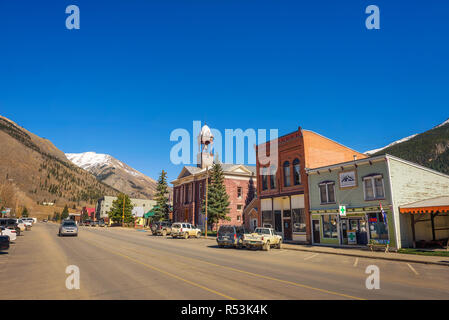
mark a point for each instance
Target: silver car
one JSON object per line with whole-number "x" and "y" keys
{"x": 68, "y": 228}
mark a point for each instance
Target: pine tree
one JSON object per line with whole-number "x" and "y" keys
{"x": 217, "y": 197}
{"x": 161, "y": 209}
{"x": 25, "y": 212}
{"x": 65, "y": 213}
{"x": 116, "y": 212}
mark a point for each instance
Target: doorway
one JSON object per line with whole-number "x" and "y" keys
{"x": 354, "y": 231}
{"x": 287, "y": 229}
{"x": 316, "y": 231}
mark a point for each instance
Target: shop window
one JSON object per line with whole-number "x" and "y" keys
{"x": 267, "y": 217}
{"x": 272, "y": 177}
{"x": 378, "y": 229}
{"x": 329, "y": 226}
{"x": 286, "y": 174}
{"x": 299, "y": 220}
{"x": 264, "y": 178}
{"x": 296, "y": 172}
{"x": 327, "y": 192}
{"x": 373, "y": 187}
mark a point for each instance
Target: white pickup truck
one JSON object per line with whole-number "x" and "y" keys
{"x": 264, "y": 238}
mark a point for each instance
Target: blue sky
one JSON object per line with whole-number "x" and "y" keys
{"x": 136, "y": 70}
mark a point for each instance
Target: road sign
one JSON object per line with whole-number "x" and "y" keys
{"x": 342, "y": 210}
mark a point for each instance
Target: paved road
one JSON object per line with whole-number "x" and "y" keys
{"x": 128, "y": 264}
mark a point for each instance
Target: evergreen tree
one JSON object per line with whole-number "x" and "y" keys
{"x": 217, "y": 197}
{"x": 161, "y": 209}
{"x": 56, "y": 216}
{"x": 25, "y": 212}
{"x": 65, "y": 213}
{"x": 116, "y": 212}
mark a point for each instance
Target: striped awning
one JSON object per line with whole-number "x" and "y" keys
{"x": 433, "y": 205}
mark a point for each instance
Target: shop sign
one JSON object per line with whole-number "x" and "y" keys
{"x": 352, "y": 237}
{"x": 347, "y": 179}
{"x": 342, "y": 211}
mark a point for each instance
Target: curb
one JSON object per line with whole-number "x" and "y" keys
{"x": 358, "y": 255}
{"x": 372, "y": 257}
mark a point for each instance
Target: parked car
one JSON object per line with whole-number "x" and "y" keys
{"x": 184, "y": 230}
{"x": 28, "y": 224}
{"x": 161, "y": 228}
{"x": 86, "y": 223}
{"x": 4, "y": 243}
{"x": 101, "y": 223}
{"x": 230, "y": 235}
{"x": 68, "y": 227}
{"x": 94, "y": 224}
{"x": 31, "y": 220}
{"x": 12, "y": 223}
{"x": 263, "y": 238}
{"x": 11, "y": 233}
{"x": 45, "y": 220}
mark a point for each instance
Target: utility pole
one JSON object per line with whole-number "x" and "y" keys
{"x": 123, "y": 215}
{"x": 207, "y": 187}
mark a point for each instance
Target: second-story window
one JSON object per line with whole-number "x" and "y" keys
{"x": 374, "y": 187}
{"x": 264, "y": 179}
{"x": 272, "y": 177}
{"x": 296, "y": 172}
{"x": 286, "y": 174}
{"x": 327, "y": 192}
{"x": 239, "y": 192}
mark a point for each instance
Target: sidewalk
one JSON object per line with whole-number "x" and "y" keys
{"x": 362, "y": 253}
{"x": 366, "y": 253}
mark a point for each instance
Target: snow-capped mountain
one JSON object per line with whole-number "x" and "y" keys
{"x": 370, "y": 152}
{"x": 115, "y": 173}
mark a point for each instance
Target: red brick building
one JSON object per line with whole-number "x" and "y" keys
{"x": 189, "y": 189}
{"x": 282, "y": 188}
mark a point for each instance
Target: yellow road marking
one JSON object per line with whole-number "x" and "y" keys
{"x": 263, "y": 277}
{"x": 166, "y": 273}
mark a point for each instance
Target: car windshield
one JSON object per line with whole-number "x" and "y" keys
{"x": 69, "y": 224}
{"x": 226, "y": 229}
{"x": 263, "y": 231}
{"x": 176, "y": 225}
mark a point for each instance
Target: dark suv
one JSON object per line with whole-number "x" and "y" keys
{"x": 230, "y": 235}
{"x": 161, "y": 228}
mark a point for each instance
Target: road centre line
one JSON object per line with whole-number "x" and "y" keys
{"x": 258, "y": 276}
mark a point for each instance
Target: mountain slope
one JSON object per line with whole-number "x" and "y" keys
{"x": 41, "y": 171}
{"x": 430, "y": 148}
{"x": 115, "y": 173}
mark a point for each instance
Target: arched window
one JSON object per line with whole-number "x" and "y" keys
{"x": 296, "y": 172}
{"x": 286, "y": 174}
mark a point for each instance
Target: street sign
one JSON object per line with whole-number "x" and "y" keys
{"x": 342, "y": 211}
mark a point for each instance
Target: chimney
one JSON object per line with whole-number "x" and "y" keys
{"x": 355, "y": 157}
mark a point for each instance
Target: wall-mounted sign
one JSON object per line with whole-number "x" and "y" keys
{"x": 347, "y": 179}
{"x": 342, "y": 210}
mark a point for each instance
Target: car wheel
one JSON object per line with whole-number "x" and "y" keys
{"x": 186, "y": 235}
{"x": 267, "y": 246}
{"x": 164, "y": 233}
{"x": 198, "y": 235}
{"x": 279, "y": 246}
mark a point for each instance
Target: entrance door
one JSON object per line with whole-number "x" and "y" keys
{"x": 278, "y": 221}
{"x": 359, "y": 226}
{"x": 287, "y": 229}
{"x": 316, "y": 231}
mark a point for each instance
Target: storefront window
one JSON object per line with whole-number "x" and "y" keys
{"x": 330, "y": 226}
{"x": 299, "y": 220}
{"x": 267, "y": 217}
{"x": 377, "y": 227}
